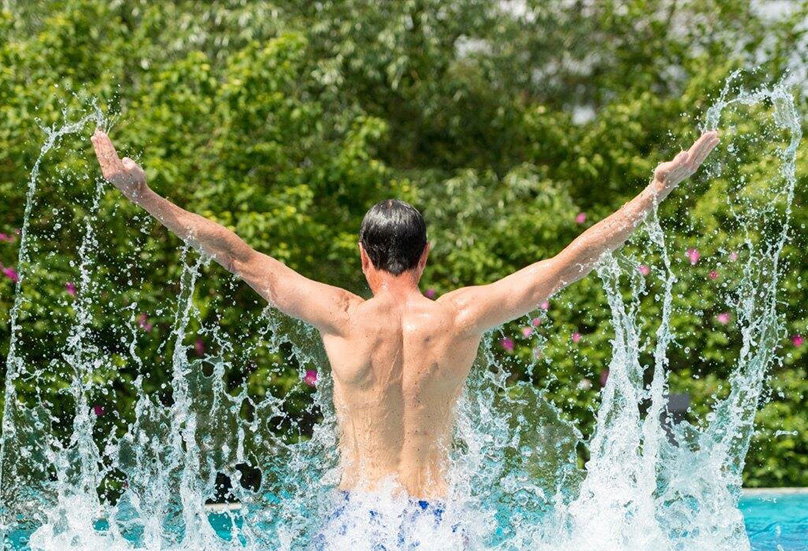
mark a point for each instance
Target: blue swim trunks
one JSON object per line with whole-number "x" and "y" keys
{"x": 358, "y": 525}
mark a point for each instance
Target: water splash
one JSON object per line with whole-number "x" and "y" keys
{"x": 21, "y": 426}
{"x": 515, "y": 481}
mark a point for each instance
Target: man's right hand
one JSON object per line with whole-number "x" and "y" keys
{"x": 686, "y": 163}
{"x": 124, "y": 173}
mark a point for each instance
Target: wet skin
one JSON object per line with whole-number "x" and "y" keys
{"x": 399, "y": 360}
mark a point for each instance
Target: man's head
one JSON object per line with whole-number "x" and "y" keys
{"x": 393, "y": 238}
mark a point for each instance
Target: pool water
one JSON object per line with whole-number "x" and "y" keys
{"x": 774, "y": 521}
{"x": 777, "y": 521}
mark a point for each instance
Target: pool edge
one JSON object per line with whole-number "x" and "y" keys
{"x": 750, "y": 492}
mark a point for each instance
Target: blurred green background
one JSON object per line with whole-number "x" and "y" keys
{"x": 512, "y": 125}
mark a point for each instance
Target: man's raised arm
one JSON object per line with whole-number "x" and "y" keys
{"x": 484, "y": 307}
{"x": 323, "y": 306}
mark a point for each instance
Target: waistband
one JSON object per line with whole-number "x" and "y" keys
{"x": 438, "y": 507}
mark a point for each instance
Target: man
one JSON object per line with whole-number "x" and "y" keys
{"x": 399, "y": 359}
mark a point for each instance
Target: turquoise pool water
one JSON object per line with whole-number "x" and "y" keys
{"x": 774, "y": 521}
{"x": 777, "y": 521}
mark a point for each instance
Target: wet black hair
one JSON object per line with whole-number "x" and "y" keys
{"x": 393, "y": 234}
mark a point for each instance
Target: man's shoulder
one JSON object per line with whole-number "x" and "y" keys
{"x": 462, "y": 305}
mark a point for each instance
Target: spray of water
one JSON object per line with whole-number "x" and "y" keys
{"x": 649, "y": 484}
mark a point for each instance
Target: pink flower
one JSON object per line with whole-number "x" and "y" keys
{"x": 311, "y": 377}
{"x": 7, "y": 238}
{"x": 98, "y": 410}
{"x": 12, "y": 274}
{"x": 643, "y": 269}
{"x": 70, "y": 288}
{"x": 143, "y": 322}
{"x": 576, "y": 337}
{"x": 733, "y": 256}
{"x": 199, "y": 347}
{"x": 506, "y": 343}
{"x": 535, "y": 322}
{"x": 713, "y": 274}
{"x": 527, "y": 331}
{"x": 797, "y": 340}
{"x": 693, "y": 255}
{"x": 581, "y": 218}
{"x": 545, "y": 305}
{"x": 723, "y": 318}
{"x": 604, "y": 376}
{"x": 429, "y": 293}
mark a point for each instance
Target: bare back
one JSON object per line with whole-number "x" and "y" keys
{"x": 398, "y": 372}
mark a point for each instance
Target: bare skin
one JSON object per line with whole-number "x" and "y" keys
{"x": 399, "y": 359}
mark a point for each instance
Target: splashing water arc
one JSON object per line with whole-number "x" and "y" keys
{"x": 515, "y": 482}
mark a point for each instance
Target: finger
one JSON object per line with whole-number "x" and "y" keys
{"x": 105, "y": 151}
{"x": 673, "y": 163}
{"x": 705, "y": 145}
{"x": 701, "y": 143}
{"x": 696, "y": 148}
{"x": 706, "y": 150}
{"x": 662, "y": 171}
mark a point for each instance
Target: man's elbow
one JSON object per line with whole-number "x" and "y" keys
{"x": 240, "y": 263}
{"x": 561, "y": 271}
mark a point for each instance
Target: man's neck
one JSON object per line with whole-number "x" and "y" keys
{"x": 400, "y": 287}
